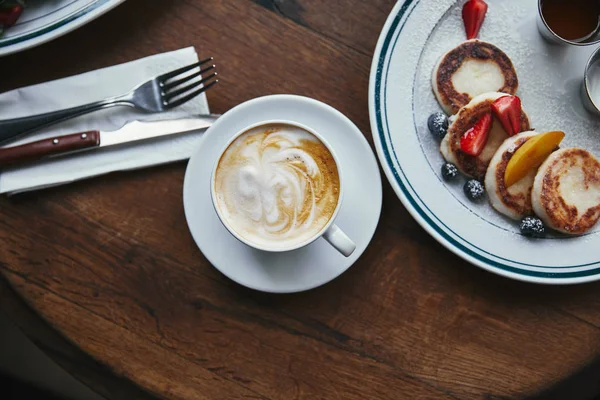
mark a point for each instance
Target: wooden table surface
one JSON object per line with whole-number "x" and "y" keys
{"x": 131, "y": 303}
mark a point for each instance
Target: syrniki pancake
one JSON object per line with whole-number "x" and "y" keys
{"x": 466, "y": 118}
{"x": 514, "y": 201}
{"x": 566, "y": 191}
{"x": 470, "y": 69}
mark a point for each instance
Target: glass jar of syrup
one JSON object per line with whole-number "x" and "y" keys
{"x": 570, "y": 21}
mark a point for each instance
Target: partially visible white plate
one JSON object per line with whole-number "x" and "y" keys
{"x": 45, "y": 20}
{"x": 415, "y": 35}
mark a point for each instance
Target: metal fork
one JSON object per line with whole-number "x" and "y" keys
{"x": 161, "y": 93}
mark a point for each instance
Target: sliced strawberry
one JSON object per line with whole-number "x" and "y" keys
{"x": 473, "y": 14}
{"x": 508, "y": 110}
{"x": 474, "y": 140}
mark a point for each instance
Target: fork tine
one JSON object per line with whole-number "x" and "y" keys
{"x": 191, "y": 95}
{"x": 164, "y": 77}
{"x": 171, "y": 85}
{"x": 186, "y": 88}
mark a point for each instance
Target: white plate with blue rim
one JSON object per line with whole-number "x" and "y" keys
{"x": 415, "y": 35}
{"x": 43, "y": 21}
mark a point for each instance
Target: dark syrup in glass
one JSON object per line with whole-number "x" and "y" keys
{"x": 571, "y": 19}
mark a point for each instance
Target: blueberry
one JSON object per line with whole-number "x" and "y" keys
{"x": 438, "y": 124}
{"x": 532, "y": 226}
{"x": 474, "y": 189}
{"x": 449, "y": 172}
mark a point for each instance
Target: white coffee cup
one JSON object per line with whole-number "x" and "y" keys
{"x": 330, "y": 232}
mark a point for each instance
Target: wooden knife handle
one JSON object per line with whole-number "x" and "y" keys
{"x": 48, "y": 147}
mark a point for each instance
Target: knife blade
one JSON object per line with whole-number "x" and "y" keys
{"x": 131, "y": 132}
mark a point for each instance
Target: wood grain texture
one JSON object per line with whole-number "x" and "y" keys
{"x": 70, "y": 357}
{"x": 109, "y": 263}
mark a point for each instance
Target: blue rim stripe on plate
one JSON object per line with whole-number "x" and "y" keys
{"x": 424, "y": 205}
{"x": 397, "y": 172}
{"x": 55, "y": 25}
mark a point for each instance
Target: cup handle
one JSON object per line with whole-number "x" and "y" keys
{"x": 339, "y": 240}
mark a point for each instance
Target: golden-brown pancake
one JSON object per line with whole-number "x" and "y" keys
{"x": 566, "y": 191}
{"x": 513, "y": 201}
{"x": 464, "y": 120}
{"x": 470, "y": 69}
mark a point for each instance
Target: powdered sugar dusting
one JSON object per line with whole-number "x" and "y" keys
{"x": 550, "y": 78}
{"x": 512, "y": 148}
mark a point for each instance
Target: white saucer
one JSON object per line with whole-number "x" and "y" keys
{"x": 317, "y": 263}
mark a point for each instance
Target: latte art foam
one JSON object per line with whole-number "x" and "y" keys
{"x": 277, "y": 185}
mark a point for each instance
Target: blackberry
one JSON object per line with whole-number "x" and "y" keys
{"x": 474, "y": 189}
{"x": 532, "y": 226}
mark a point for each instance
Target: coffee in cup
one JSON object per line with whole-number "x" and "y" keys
{"x": 277, "y": 186}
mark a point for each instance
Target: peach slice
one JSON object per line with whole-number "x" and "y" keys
{"x": 531, "y": 155}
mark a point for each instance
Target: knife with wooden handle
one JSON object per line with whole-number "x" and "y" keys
{"x": 131, "y": 132}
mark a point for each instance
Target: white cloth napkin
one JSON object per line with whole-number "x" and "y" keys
{"x": 89, "y": 87}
